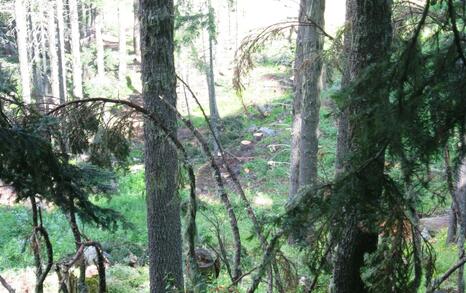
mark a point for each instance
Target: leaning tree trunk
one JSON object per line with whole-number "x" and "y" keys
{"x": 297, "y": 104}
{"x": 163, "y": 206}
{"x": 122, "y": 44}
{"x": 313, "y": 45}
{"x": 75, "y": 50}
{"x": 367, "y": 42}
{"x": 214, "y": 115}
{"x": 100, "y": 46}
{"x": 54, "y": 61}
{"x": 21, "y": 42}
{"x": 61, "y": 51}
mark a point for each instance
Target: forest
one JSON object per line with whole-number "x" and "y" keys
{"x": 232, "y": 146}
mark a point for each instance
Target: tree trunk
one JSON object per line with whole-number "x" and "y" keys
{"x": 21, "y": 42}
{"x": 122, "y": 44}
{"x": 35, "y": 17}
{"x": 52, "y": 32}
{"x": 61, "y": 51}
{"x": 82, "y": 287}
{"x": 35, "y": 244}
{"x": 43, "y": 53}
{"x": 136, "y": 31}
{"x": 297, "y": 104}
{"x": 75, "y": 50}
{"x": 214, "y": 115}
{"x": 367, "y": 42}
{"x": 313, "y": 45}
{"x": 460, "y": 195}
{"x": 100, "y": 46}
{"x": 452, "y": 226}
{"x": 163, "y": 206}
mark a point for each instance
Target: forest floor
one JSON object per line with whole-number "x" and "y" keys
{"x": 262, "y": 166}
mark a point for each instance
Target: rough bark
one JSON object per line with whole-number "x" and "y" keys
{"x": 313, "y": 45}
{"x": 54, "y": 62}
{"x": 159, "y": 80}
{"x": 454, "y": 217}
{"x": 297, "y": 104}
{"x": 367, "y": 42}
{"x": 21, "y": 42}
{"x": 99, "y": 46}
{"x": 122, "y": 44}
{"x": 76, "y": 50}
{"x": 214, "y": 115}
{"x": 61, "y": 51}
{"x": 460, "y": 196}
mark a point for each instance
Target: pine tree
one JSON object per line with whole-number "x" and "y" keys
{"x": 159, "y": 80}
{"x": 313, "y": 45}
{"x": 369, "y": 29}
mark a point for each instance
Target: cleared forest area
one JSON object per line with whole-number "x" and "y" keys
{"x": 232, "y": 146}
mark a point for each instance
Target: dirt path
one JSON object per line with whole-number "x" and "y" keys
{"x": 435, "y": 224}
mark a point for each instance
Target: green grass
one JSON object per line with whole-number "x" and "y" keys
{"x": 265, "y": 178}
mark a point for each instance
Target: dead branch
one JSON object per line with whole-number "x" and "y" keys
{"x": 266, "y": 260}
{"x": 191, "y": 226}
{"x": 221, "y": 185}
{"x": 45, "y": 235}
{"x": 234, "y": 178}
{"x": 6, "y": 285}
{"x": 437, "y": 282}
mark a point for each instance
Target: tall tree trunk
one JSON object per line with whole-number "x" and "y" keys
{"x": 61, "y": 51}
{"x": 460, "y": 195}
{"x": 100, "y": 46}
{"x": 21, "y": 42}
{"x": 297, "y": 103}
{"x": 75, "y": 50}
{"x": 35, "y": 17}
{"x": 313, "y": 45}
{"x": 136, "y": 31}
{"x": 122, "y": 44}
{"x": 54, "y": 62}
{"x": 367, "y": 42}
{"x": 43, "y": 49}
{"x": 163, "y": 206}
{"x": 214, "y": 115}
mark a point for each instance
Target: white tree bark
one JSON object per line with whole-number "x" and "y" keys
{"x": 122, "y": 44}
{"x": 21, "y": 42}
{"x": 100, "y": 46}
{"x": 61, "y": 51}
{"x": 76, "y": 50}
{"x": 52, "y": 36}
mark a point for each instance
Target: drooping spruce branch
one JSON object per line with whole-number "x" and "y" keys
{"x": 191, "y": 226}
{"x": 251, "y": 44}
